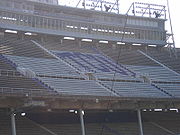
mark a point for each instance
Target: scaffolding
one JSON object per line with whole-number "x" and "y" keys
{"x": 100, "y": 5}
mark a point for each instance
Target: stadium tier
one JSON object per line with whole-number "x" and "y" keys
{"x": 168, "y": 60}
{"x": 70, "y": 71}
{"x": 21, "y": 48}
{"x": 41, "y": 66}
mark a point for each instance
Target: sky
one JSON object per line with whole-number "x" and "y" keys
{"x": 125, "y": 4}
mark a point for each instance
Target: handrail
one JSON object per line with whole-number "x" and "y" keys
{"x": 49, "y": 52}
{"x": 24, "y": 91}
{"x": 158, "y": 62}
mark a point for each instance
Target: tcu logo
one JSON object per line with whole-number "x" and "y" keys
{"x": 93, "y": 63}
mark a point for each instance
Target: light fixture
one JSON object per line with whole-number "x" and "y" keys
{"x": 69, "y": 38}
{"x": 71, "y": 111}
{"x": 120, "y": 43}
{"x": 23, "y": 114}
{"x": 97, "y": 100}
{"x": 110, "y": 110}
{"x": 103, "y": 41}
{"x": 136, "y": 44}
{"x": 152, "y": 45}
{"x": 87, "y": 40}
{"x": 158, "y": 110}
{"x": 83, "y": 112}
{"x": 75, "y": 112}
{"x": 11, "y": 31}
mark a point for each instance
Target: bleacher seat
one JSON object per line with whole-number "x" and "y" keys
{"x": 134, "y": 89}
{"x": 165, "y": 58}
{"x": 125, "y": 54}
{"x": 22, "y": 48}
{"x": 41, "y": 66}
{"x": 12, "y": 82}
{"x": 76, "y": 87}
{"x": 95, "y": 63}
{"x": 67, "y": 45}
{"x": 172, "y": 88}
{"x": 155, "y": 73}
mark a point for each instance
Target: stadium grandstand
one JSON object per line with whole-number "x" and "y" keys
{"x": 78, "y": 71}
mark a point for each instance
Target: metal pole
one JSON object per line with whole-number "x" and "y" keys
{"x": 171, "y": 25}
{"x": 140, "y": 121}
{"x": 13, "y": 123}
{"x": 84, "y": 2}
{"x": 82, "y": 122}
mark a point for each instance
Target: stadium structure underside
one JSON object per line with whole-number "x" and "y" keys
{"x": 56, "y": 61}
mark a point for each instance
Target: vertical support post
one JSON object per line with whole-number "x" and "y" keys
{"x": 172, "y": 33}
{"x": 84, "y": 2}
{"x": 117, "y": 2}
{"x": 149, "y": 10}
{"x": 82, "y": 122}
{"x": 134, "y": 10}
{"x": 140, "y": 121}
{"x": 13, "y": 123}
{"x": 101, "y": 6}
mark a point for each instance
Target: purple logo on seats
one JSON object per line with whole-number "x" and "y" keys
{"x": 93, "y": 63}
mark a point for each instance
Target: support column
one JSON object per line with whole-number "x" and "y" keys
{"x": 78, "y": 41}
{"x": 82, "y": 122}
{"x": 20, "y": 35}
{"x": 140, "y": 121}
{"x": 95, "y": 42}
{"x": 84, "y": 4}
{"x": 13, "y": 123}
{"x": 2, "y": 33}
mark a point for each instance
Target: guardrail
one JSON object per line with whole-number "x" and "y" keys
{"x": 25, "y": 92}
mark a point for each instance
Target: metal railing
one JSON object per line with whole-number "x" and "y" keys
{"x": 25, "y": 92}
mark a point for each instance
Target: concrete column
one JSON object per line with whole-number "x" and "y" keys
{"x": 20, "y": 35}
{"x": 140, "y": 122}
{"x": 13, "y": 123}
{"x": 95, "y": 42}
{"x": 82, "y": 122}
{"x": 78, "y": 41}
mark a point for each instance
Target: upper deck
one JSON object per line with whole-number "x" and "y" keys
{"x": 29, "y": 16}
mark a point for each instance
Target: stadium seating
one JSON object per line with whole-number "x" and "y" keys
{"x": 125, "y": 55}
{"x": 115, "y": 76}
{"x": 6, "y": 65}
{"x": 23, "y": 86}
{"x": 21, "y": 48}
{"x": 155, "y": 73}
{"x": 172, "y": 88}
{"x": 51, "y": 84}
{"x": 76, "y": 87}
{"x": 12, "y": 82}
{"x": 93, "y": 63}
{"x": 67, "y": 45}
{"x": 164, "y": 57}
{"x": 133, "y": 89}
{"x": 41, "y": 66}
{"x": 135, "y": 58}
